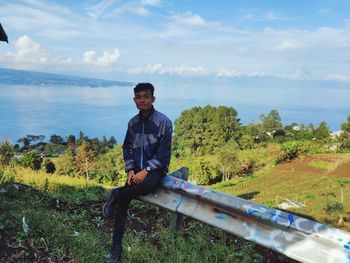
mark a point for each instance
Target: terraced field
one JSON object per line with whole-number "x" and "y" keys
{"x": 315, "y": 181}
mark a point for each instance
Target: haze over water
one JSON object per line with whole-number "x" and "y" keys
{"x": 65, "y": 110}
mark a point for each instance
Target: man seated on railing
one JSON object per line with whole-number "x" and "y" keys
{"x": 147, "y": 151}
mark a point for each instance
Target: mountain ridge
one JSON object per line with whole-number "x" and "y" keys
{"x": 24, "y": 77}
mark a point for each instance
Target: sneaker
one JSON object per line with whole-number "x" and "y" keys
{"x": 110, "y": 205}
{"x": 115, "y": 254}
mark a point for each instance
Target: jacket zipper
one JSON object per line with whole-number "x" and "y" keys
{"x": 143, "y": 131}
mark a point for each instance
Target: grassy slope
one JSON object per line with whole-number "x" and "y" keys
{"x": 65, "y": 224}
{"x": 312, "y": 180}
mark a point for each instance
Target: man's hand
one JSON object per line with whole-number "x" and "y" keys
{"x": 131, "y": 175}
{"x": 140, "y": 176}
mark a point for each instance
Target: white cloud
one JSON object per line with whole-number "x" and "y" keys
{"x": 106, "y": 60}
{"x": 28, "y": 54}
{"x": 181, "y": 70}
{"x": 222, "y": 72}
{"x": 286, "y": 45}
{"x": 141, "y": 11}
{"x": 298, "y": 74}
{"x": 248, "y": 17}
{"x": 262, "y": 15}
{"x": 89, "y": 56}
{"x": 27, "y": 16}
{"x": 150, "y": 2}
{"x": 191, "y": 19}
{"x": 184, "y": 70}
{"x": 336, "y": 77}
{"x": 111, "y": 8}
{"x": 182, "y": 39}
{"x": 97, "y": 10}
{"x": 271, "y": 16}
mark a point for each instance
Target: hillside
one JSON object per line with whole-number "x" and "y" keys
{"x": 22, "y": 77}
{"x": 59, "y": 220}
{"x": 316, "y": 181}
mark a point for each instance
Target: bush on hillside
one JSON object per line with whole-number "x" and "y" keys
{"x": 6, "y": 153}
{"x": 32, "y": 160}
{"x": 49, "y": 167}
{"x": 293, "y": 149}
{"x": 110, "y": 167}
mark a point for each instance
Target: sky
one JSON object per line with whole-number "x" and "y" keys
{"x": 140, "y": 39}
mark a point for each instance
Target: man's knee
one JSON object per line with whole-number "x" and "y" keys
{"x": 148, "y": 186}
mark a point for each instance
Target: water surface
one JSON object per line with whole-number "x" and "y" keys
{"x": 68, "y": 109}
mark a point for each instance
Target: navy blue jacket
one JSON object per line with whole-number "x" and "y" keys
{"x": 148, "y": 142}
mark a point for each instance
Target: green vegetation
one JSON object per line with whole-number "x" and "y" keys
{"x": 59, "y": 218}
{"x": 210, "y": 141}
{"x": 58, "y": 187}
{"x": 321, "y": 165}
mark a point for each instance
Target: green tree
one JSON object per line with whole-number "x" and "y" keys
{"x": 66, "y": 164}
{"x": 205, "y": 130}
{"x": 204, "y": 172}
{"x": 86, "y": 159}
{"x": 303, "y": 135}
{"x": 28, "y": 139}
{"x": 272, "y": 122}
{"x": 252, "y": 129}
{"x": 82, "y": 137}
{"x": 111, "y": 168}
{"x": 56, "y": 139}
{"x": 104, "y": 141}
{"x": 246, "y": 142}
{"x": 54, "y": 149}
{"x": 112, "y": 142}
{"x": 100, "y": 147}
{"x": 322, "y": 132}
{"x": 290, "y": 132}
{"x": 228, "y": 162}
{"x": 344, "y": 138}
{"x": 71, "y": 139}
{"x": 6, "y": 153}
{"x": 36, "y": 138}
{"x": 31, "y": 159}
{"x": 25, "y": 141}
{"x": 346, "y": 126}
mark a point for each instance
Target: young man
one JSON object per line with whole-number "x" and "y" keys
{"x": 147, "y": 151}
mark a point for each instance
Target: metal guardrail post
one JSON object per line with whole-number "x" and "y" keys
{"x": 176, "y": 219}
{"x": 294, "y": 236}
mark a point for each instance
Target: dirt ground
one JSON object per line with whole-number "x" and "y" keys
{"x": 340, "y": 165}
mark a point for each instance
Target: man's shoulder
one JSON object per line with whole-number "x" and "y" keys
{"x": 134, "y": 120}
{"x": 161, "y": 117}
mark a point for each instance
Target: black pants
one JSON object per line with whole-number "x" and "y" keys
{"x": 125, "y": 195}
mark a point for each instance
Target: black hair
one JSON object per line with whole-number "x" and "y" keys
{"x": 144, "y": 86}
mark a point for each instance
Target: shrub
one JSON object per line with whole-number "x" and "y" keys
{"x": 344, "y": 140}
{"x": 32, "y": 160}
{"x": 6, "y": 153}
{"x": 293, "y": 149}
{"x": 50, "y": 167}
{"x": 334, "y": 207}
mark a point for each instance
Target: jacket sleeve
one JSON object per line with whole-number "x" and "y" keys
{"x": 161, "y": 159}
{"x": 127, "y": 150}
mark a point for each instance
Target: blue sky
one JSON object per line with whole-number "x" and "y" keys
{"x": 294, "y": 40}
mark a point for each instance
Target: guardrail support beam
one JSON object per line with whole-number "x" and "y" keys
{"x": 177, "y": 219}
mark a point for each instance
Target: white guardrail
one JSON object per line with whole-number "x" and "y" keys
{"x": 301, "y": 239}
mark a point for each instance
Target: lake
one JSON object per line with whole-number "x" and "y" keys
{"x": 65, "y": 109}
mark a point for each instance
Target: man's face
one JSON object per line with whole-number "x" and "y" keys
{"x": 144, "y": 100}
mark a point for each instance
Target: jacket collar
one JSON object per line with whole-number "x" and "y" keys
{"x": 150, "y": 115}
